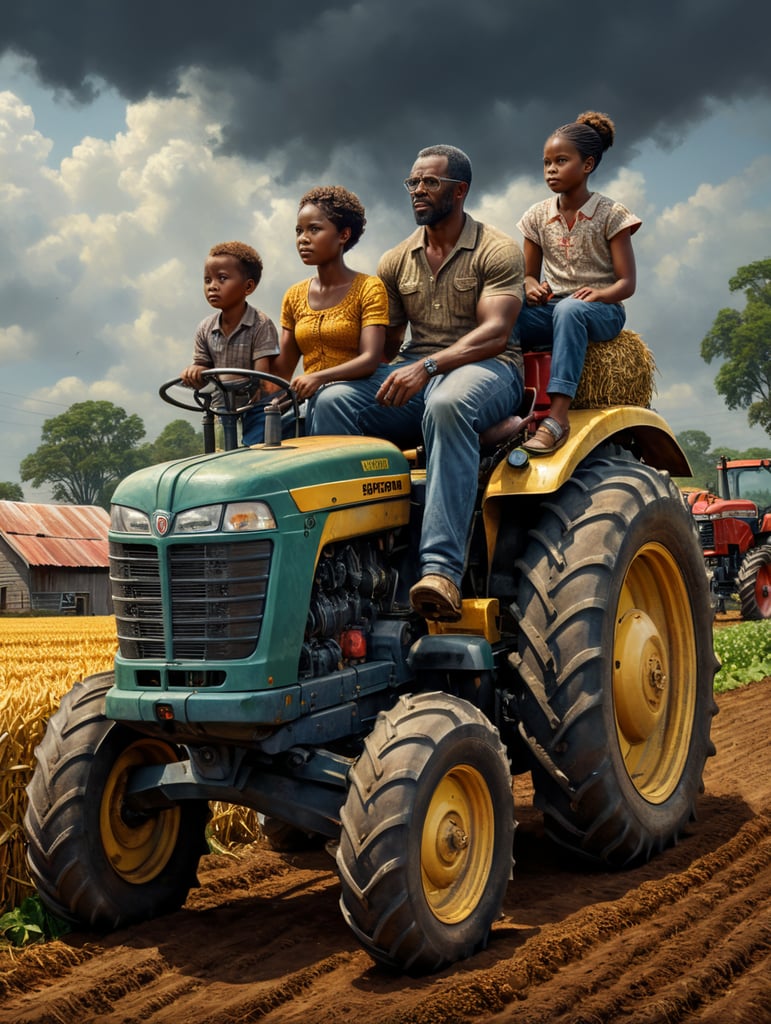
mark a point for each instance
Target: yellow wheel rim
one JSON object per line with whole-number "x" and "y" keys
{"x": 654, "y": 673}
{"x": 457, "y": 844}
{"x": 138, "y": 850}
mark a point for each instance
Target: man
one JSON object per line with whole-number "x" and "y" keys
{"x": 458, "y": 284}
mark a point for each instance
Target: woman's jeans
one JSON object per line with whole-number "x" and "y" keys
{"x": 449, "y": 414}
{"x": 566, "y": 326}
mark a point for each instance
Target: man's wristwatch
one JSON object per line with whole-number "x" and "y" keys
{"x": 429, "y": 365}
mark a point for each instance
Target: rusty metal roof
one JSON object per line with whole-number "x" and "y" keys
{"x": 72, "y": 536}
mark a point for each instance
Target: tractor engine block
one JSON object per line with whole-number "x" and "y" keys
{"x": 351, "y": 584}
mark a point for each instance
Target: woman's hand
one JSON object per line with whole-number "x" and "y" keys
{"x": 306, "y": 385}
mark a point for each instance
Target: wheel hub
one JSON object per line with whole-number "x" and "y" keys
{"x": 451, "y": 839}
{"x": 640, "y": 676}
{"x": 444, "y": 844}
{"x": 457, "y": 843}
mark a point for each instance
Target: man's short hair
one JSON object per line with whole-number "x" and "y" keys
{"x": 458, "y": 164}
{"x": 249, "y": 258}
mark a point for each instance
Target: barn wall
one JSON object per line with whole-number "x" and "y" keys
{"x": 14, "y": 575}
{"x": 75, "y": 591}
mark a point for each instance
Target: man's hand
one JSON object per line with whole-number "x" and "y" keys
{"x": 400, "y": 386}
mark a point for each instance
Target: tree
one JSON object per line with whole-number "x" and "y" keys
{"x": 743, "y": 341}
{"x": 85, "y": 452}
{"x": 696, "y": 445}
{"x": 10, "y": 491}
{"x": 177, "y": 440}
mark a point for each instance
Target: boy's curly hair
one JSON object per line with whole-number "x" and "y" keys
{"x": 340, "y": 206}
{"x": 249, "y": 258}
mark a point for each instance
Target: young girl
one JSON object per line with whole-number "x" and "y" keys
{"x": 336, "y": 320}
{"x": 579, "y": 266}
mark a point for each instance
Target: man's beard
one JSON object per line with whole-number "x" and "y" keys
{"x": 433, "y": 214}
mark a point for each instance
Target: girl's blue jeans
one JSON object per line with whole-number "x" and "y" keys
{"x": 566, "y": 326}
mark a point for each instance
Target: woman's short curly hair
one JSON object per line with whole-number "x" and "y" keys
{"x": 340, "y": 206}
{"x": 249, "y": 258}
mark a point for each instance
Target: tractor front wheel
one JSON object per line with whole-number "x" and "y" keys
{"x": 425, "y": 851}
{"x": 753, "y": 583}
{"x": 93, "y": 861}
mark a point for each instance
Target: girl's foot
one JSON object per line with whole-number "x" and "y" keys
{"x": 549, "y": 436}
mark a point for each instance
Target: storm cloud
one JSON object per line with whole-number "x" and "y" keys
{"x": 307, "y": 86}
{"x": 215, "y": 118}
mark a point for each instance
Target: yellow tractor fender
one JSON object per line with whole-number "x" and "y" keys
{"x": 652, "y": 440}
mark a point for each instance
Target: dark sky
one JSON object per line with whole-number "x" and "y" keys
{"x": 378, "y": 80}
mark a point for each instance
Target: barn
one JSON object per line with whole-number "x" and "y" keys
{"x": 54, "y": 558}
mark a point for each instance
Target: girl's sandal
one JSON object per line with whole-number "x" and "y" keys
{"x": 550, "y": 436}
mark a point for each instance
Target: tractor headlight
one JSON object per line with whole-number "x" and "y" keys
{"x": 128, "y": 520}
{"x": 247, "y": 515}
{"x": 237, "y": 517}
{"x": 205, "y": 519}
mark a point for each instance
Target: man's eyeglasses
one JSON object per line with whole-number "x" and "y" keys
{"x": 430, "y": 182}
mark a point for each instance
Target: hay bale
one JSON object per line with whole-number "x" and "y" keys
{"x": 617, "y": 372}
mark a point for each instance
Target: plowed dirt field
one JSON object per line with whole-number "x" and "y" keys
{"x": 685, "y": 938}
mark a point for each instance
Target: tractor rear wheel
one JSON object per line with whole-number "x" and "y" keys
{"x": 753, "y": 583}
{"x": 425, "y": 850}
{"x": 92, "y": 861}
{"x": 616, "y": 662}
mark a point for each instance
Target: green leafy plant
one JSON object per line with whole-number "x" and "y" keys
{"x": 29, "y": 923}
{"x": 744, "y": 651}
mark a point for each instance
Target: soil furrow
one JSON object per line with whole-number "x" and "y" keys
{"x": 683, "y": 939}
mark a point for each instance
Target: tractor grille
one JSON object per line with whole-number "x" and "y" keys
{"x": 707, "y": 535}
{"x": 217, "y": 593}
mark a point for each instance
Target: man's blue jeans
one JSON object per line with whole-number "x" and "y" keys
{"x": 449, "y": 415}
{"x": 566, "y": 326}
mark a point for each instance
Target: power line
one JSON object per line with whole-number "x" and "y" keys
{"x": 15, "y": 408}
{"x": 29, "y": 398}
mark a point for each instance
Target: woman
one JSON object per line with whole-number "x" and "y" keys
{"x": 335, "y": 320}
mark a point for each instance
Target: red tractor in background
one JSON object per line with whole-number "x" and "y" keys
{"x": 735, "y": 531}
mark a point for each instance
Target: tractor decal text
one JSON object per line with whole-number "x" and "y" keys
{"x": 374, "y": 465}
{"x": 370, "y": 487}
{"x": 338, "y": 493}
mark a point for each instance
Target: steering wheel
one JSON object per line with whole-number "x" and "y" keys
{"x": 221, "y": 393}
{"x": 227, "y": 384}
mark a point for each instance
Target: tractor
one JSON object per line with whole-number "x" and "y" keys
{"x": 735, "y": 531}
{"x": 268, "y": 657}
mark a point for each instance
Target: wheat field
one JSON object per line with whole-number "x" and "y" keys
{"x": 40, "y": 660}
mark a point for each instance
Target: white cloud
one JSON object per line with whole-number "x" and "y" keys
{"x": 107, "y": 252}
{"x": 12, "y": 343}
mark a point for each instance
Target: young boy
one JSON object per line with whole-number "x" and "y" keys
{"x": 238, "y": 335}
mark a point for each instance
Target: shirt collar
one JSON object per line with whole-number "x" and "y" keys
{"x": 586, "y": 212}
{"x": 247, "y": 320}
{"x": 466, "y": 240}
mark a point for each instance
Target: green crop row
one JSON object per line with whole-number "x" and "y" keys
{"x": 744, "y": 651}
